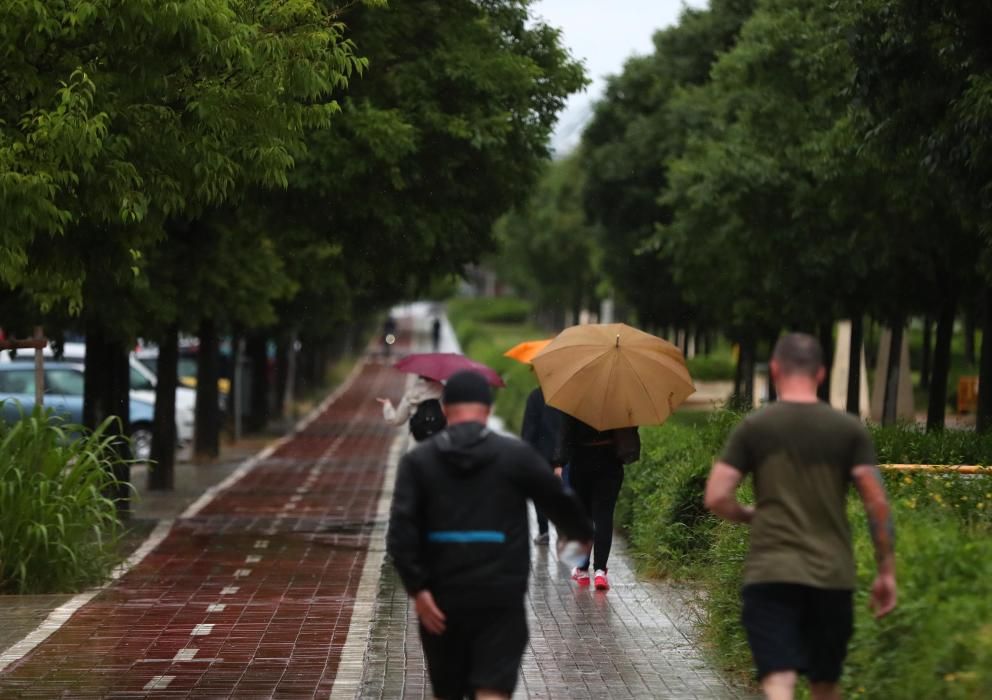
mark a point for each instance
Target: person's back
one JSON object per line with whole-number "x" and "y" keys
{"x": 458, "y": 538}
{"x": 801, "y": 455}
{"x": 474, "y": 511}
{"x": 799, "y": 573}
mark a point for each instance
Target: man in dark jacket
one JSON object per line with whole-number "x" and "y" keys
{"x": 540, "y": 431}
{"x": 459, "y": 540}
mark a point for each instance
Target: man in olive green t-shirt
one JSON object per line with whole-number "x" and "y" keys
{"x": 799, "y": 574}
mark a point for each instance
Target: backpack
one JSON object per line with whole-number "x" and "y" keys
{"x": 427, "y": 420}
{"x": 628, "y": 444}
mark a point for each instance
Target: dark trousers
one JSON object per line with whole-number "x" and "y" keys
{"x": 542, "y": 521}
{"x": 596, "y": 476}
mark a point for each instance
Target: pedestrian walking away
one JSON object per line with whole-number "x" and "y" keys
{"x": 540, "y": 431}
{"x": 420, "y": 407}
{"x": 799, "y": 573}
{"x": 459, "y": 539}
{"x": 595, "y": 462}
{"x": 436, "y": 334}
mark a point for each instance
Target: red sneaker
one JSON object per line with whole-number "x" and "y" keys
{"x": 580, "y": 576}
{"x": 602, "y": 583}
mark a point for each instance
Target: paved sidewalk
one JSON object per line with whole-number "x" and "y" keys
{"x": 631, "y": 642}
{"x": 250, "y": 597}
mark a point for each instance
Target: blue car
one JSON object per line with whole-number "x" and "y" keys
{"x": 64, "y": 394}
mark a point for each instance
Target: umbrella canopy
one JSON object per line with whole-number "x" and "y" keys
{"x": 525, "y": 351}
{"x": 613, "y": 376}
{"x": 441, "y": 365}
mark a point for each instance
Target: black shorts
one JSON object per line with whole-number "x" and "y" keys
{"x": 480, "y": 649}
{"x": 792, "y": 627}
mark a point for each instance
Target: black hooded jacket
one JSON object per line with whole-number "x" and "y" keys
{"x": 458, "y": 525}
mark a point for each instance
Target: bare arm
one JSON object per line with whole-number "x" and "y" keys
{"x": 868, "y": 481}
{"x": 721, "y": 494}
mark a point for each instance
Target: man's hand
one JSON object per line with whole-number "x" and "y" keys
{"x": 558, "y": 471}
{"x": 883, "y": 595}
{"x": 721, "y": 494}
{"x": 430, "y": 615}
{"x": 382, "y": 401}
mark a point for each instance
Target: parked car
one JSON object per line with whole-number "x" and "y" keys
{"x": 64, "y": 394}
{"x": 142, "y": 381}
{"x": 187, "y": 368}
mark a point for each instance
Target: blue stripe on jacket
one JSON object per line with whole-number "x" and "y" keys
{"x": 467, "y": 536}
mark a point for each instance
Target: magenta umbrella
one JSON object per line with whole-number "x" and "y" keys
{"x": 441, "y": 365}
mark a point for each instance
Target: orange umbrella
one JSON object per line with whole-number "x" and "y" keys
{"x": 613, "y": 376}
{"x": 525, "y": 351}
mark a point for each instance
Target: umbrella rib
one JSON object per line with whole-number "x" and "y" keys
{"x": 642, "y": 382}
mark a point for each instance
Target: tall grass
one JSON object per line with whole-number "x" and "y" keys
{"x": 938, "y": 642}
{"x": 58, "y": 528}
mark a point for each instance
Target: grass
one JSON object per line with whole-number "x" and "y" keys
{"x": 59, "y": 530}
{"x": 938, "y": 643}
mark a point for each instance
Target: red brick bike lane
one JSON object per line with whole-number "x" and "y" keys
{"x": 250, "y": 597}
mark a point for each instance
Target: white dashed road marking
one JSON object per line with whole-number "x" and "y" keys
{"x": 202, "y": 630}
{"x": 185, "y": 655}
{"x": 216, "y": 607}
{"x": 242, "y": 573}
{"x": 159, "y": 682}
{"x": 229, "y": 590}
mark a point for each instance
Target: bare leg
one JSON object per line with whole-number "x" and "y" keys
{"x": 825, "y": 691}
{"x": 780, "y": 685}
{"x": 483, "y": 694}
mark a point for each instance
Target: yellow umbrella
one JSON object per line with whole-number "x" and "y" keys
{"x": 613, "y": 376}
{"x": 525, "y": 351}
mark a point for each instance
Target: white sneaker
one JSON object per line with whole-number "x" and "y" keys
{"x": 580, "y": 576}
{"x": 602, "y": 583}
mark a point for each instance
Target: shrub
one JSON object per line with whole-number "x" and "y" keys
{"x": 58, "y": 529}
{"x": 490, "y": 310}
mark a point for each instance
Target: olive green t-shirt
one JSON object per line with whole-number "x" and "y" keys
{"x": 801, "y": 456}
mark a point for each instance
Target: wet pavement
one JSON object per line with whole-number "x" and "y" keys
{"x": 250, "y": 596}
{"x": 274, "y": 585}
{"x": 634, "y": 641}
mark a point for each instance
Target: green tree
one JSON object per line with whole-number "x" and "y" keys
{"x": 548, "y": 251}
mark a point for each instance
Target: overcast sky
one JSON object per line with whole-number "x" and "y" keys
{"x": 603, "y": 33}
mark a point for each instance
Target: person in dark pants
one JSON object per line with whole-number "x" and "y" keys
{"x": 799, "y": 573}
{"x": 436, "y": 334}
{"x": 540, "y": 431}
{"x": 459, "y": 539}
{"x": 595, "y": 474}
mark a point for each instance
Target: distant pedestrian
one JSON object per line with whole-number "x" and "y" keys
{"x": 389, "y": 331}
{"x": 799, "y": 574}
{"x": 595, "y": 462}
{"x": 420, "y": 407}
{"x": 436, "y": 334}
{"x": 540, "y": 431}
{"x": 459, "y": 539}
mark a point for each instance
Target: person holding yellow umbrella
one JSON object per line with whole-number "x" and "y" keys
{"x": 541, "y": 423}
{"x": 608, "y": 379}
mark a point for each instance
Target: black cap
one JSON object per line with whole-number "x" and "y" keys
{"x": 467, "y": 387}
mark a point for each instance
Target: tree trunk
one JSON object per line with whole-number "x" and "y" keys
{"x": 772, "y": 390}
{"x": 826, "y": 335}
{"x": 161, "y": 475}
{"x": 256, "y": 347}
{"x": 748, "y": 349}
{"x": 282, "y": 375}
{"x": 738, "y": 374}
{"x": 890, "y": 408}
{"x": 107, "y": 392}
{"x": 984, "y": 418}
{"x": 926, "y": 357}
{"x": 854, "y": 366}
{"x": 937, "y": 406}
{"x": 206, "y": 440}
